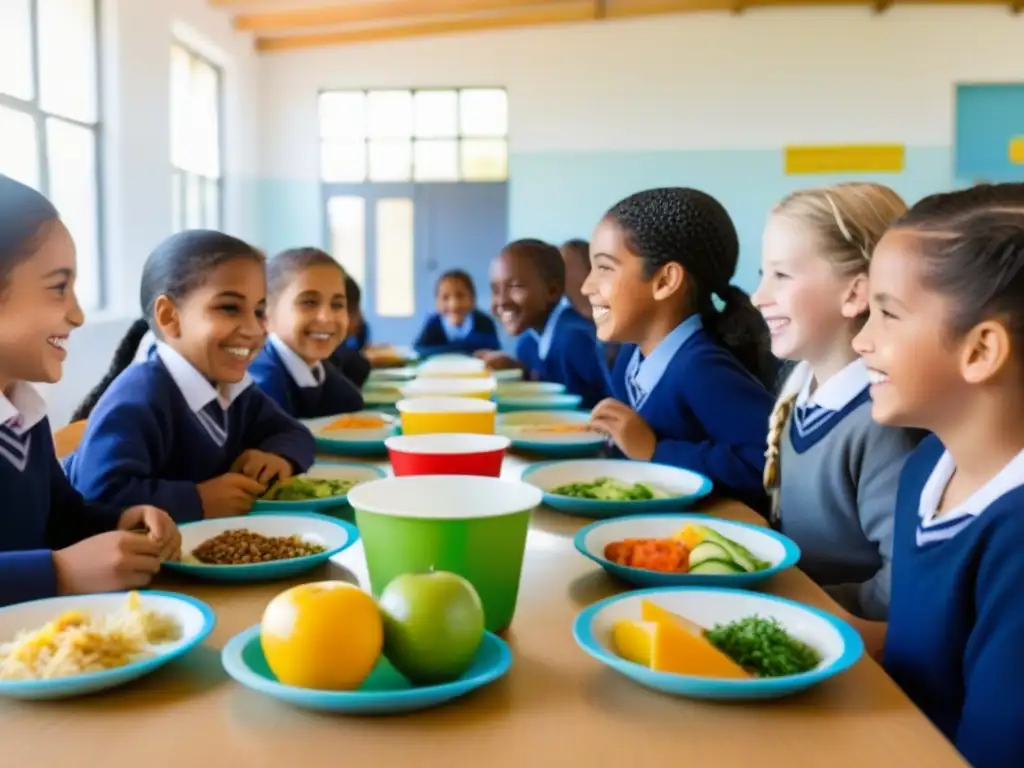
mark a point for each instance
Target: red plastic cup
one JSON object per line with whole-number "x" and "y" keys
{"x": 447, "y": 454}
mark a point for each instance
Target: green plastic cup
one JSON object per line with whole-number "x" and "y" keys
{"x": 473, "y": 526}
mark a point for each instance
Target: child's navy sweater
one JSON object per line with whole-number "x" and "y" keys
{"x": 477, "y": 333}
{"x": 567, "y": 352}
{"x": 302, "y": 391}
{"x": 155, "y": 434}
{"x": 956, "y": 617}
{"x": 708, "y": 413}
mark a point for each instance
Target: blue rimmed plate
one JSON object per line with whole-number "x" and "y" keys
{"x": 332, "y": 534}
{"x": 364, "y": 442}
{"x": 539, "y": 401}
{"x": 836, "y": 641}
{"x": 194, "y": 617}
{"x": 329, "y": 470}
{"x": 763, "y": 543}
{"x": 675, "y": 488}
{"x": 385, "y": 692}
{"x": 537, "y": 433}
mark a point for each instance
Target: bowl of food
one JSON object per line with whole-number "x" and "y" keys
{"x": 81, "y": 644}
{"x": 384, "y": 399}
{"x": 539, "y": 401}
{"x": 260, "y": 547}
{"x": 561, "y": 434}
{"x": 613, "y": 487}
{"x": 716, "y": 643}
{"x": 481, "y": 388}
{"x": 354, "y": 434}
{"x": 436, "y": 415}
{"x": 452, "y": 367}
{"x": 471, "y": 526}
{"x": 386, "y": 377}
{"x": 447, "y": 454}
{"x": 325, "y": 485}
{"x": 668, "y": 550}
{"x": 506, "y": 374}
{"x": 527, "y": 388}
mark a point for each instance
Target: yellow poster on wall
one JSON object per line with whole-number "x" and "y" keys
{"x": 847, "y": 158}
{"x": 1017, "y": 150}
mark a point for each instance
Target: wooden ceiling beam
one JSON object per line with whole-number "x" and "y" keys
{"x": 279, "y": 20}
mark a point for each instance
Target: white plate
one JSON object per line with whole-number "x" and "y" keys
{"x": 318, "y": 428}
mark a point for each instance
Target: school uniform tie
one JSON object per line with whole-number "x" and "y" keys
{"x": 215, "y": 420}
{"x": 318, "y": 374}
{"x": 635, "y": 392}
{"x": 809, "y": 417}
{"x": 14, "y": 446}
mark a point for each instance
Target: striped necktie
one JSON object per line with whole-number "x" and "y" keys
{"x": 14, "y": 446}
{"x": 809, "y": 416}
{"x": 215, "y": 420}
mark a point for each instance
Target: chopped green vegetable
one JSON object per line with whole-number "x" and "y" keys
{"x": 607, "y": 489}
{"x": 308, "y": 488}
{"x": 763, "y": 647}
{"x": 737, "y": 554}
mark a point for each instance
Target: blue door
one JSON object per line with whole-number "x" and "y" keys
{"x": 989, "y": 133}
{"x": 397, "y": 238}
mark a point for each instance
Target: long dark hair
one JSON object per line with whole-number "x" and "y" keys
{"x": 177, "y": 266}
{"x": 24, "y": 215}
{"x": 282, "y": 267}
{"x": 691, "y": 228}
{"x": 459, "y": 276}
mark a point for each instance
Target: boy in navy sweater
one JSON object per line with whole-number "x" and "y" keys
{"x": 944, "y": 345}
{"x": 185, "y": 429}
{"x": 689, "y": 382}
{"x": 555, "y": 343}
{"x": 457, "y": 326}
{"x": 51, "y": 541}
{"x": 308, "y": 319}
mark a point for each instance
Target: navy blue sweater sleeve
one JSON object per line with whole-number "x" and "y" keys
{"x": 26, "y": 575}
{"x": 586, "y": 373}
{"x": 339, "y": 394}
{"x": 272, "y": 379}
{"x": 434, "y": 341}
{"x": 733, "y": 409}
{"x": 992, "y": 719}
{"x": 270, "y": 429}
{"x": 124, "y": 446}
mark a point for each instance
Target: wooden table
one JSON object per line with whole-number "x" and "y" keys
{"x": 557, "y": 706}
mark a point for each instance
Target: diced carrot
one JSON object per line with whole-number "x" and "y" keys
{"x": 664, "y": 555}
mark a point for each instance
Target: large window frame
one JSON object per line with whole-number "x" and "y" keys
{"x": 182, "y": 178}
{"x": 41, "y": 117}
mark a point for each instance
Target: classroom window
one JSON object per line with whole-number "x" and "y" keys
{"x": 49, "y": 117}
{"x": 196, "y": 120}
{"x": 395, "y": 254}
{"x": 414, "y": 135}
{"x": 346, "y": 216}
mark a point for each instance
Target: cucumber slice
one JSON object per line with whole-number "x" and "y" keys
{"x": 708, "y": 550}
{"x": 737, "y": 554}
{"x": 716, "y": 568}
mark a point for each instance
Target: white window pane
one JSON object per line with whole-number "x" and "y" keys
{"x": 67, "y": 58}
{"x": 16, "y": 49}
{"x": 346, "y": 217}
{"x": 72, "y": 167}
{"x": 177, "y": 209}
{"x": 390, "y": 159}
{"x": 484, "y": 159}
{"x": 193, "y": 202}
{"x": 389, "y": 114}
{"x": 483, "y": 112}
{"x": 206, "y": 118}
{"x": 437, "y": 160}
{"x": 343, "y": 160}
{"x": 19, "y": 147}
{"x": 211, "y": 202}
{"x": 343, "y": 115}
{"x": 181, "y": 128}
{"x": 437, "y": 114}
{"x": 395, "y": 236}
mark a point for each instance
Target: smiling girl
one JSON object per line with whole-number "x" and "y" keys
{"x": 944, "y": 346}
{"x": 307, "y": 316}
{"x": 457, "y": 327}
{"x": 51, "y": 540}
{"x": 185, "y": 429}
{"x": 835, "y": 498}
{"x": 688, "y": 384}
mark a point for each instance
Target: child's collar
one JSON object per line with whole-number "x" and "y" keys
{"x": 195, "y": 388}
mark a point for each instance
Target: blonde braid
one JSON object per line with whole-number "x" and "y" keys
{"x": 776, "y": 424}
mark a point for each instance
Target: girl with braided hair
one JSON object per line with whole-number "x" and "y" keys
{"x": 689, "y": 383}
{"x": 831, "y": 470}
{"x": 944, "y": 346}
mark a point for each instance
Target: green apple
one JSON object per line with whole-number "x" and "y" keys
{"x": 433, "y": 626}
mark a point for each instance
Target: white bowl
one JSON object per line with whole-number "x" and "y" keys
{"x": 452, "y": 366}
{"x": 319, "y": 428}
{"x": 314, "y": 529}
{"x": 441, "y": 387}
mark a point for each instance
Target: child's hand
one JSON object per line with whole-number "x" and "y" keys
{"x": 622, "y": 424}
{"x": 263, "y": 467}
{"x": 229, "y": 495}
{"x": 158, "y": 526}
{"x": 499, "y": 361}
{"x": 106, "y": 563}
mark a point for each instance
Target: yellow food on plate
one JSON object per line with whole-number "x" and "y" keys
{"x": 326, "y": 635}
{"x": 356, "y": 422}
{"x": 75, "y": 643}
{"x": 666, "y": 642}
{"x": 556, "y": 429}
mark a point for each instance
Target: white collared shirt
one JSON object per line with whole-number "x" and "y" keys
{"x": 22, "y": 409}
{"x": 304, "y": 374}
{"x": 197, "y": 391}
{"x": 642, "y": 376}
{"x": 1009, "y": 477}
{"x": 836, "y": 393}
{"x": 547, "y": 335}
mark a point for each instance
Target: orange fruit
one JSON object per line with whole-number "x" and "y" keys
{"x": 326, "y": 635}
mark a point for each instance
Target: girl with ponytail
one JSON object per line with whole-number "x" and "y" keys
{"x": 689, "y": 384}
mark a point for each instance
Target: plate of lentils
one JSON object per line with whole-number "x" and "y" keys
{"x": 260, "y": 547}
